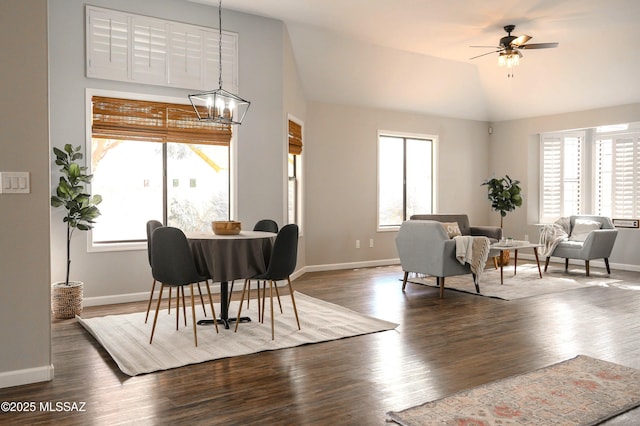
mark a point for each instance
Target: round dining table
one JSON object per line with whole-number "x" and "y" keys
{"x": 223, "y": 258}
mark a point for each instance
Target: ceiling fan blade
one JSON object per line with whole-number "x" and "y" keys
{"x": 539, "y": 46}
{"x": 519, "y": 41}
{"x": 488, "y": 47}
{"x": 485, "y": 54}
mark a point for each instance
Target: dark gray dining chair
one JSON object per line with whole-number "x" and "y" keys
{"x": 172, "y": 265}
{"x": 264, "y": 225}
{"x": 152, "y": 225}
{"x": 281, "y": 265}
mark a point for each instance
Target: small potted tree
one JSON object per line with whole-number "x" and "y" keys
{"x": 81, "y": 212}
{"x": 504, "y": 194}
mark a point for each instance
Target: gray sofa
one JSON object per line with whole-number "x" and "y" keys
{"x": 494, "y": 233}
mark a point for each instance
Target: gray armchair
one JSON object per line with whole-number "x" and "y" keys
{"x": 597, "y": 245}
{"x": 424, "y": 247}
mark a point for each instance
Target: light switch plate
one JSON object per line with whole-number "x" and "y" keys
{"x": 15, "y": 183}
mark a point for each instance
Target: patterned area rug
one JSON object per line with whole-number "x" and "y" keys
{"x": 579, "y": 391}
{"x": 525, "y": 283}
{"x": 126, "y": 337}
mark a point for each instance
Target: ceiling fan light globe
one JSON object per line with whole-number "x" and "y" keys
{"x": 508, "y": 59}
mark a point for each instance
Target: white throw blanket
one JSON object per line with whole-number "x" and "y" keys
{"x": 474, "y": 251}
{"x": 553, "y": 234}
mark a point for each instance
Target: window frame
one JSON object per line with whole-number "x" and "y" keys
{"x": 298, "y": 175}
{"x": 434, "y": 173}
{"x": 93, "y": 247}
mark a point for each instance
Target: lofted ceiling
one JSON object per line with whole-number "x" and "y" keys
{"x": 414, "y": 55}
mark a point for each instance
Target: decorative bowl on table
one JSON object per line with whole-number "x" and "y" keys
{"x": 226, "y": 227}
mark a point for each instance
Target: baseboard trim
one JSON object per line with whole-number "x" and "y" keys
{"x": 116, "y": 298}
{"x": 26, "y": 376}
{"x": 351, "y": 265}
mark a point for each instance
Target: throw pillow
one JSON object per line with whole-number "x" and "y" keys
{"x": 581, "y": 229}
{"x": 451, "y": 228}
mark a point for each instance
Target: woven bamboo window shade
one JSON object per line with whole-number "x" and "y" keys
{"x": 126, "y": 119}
{"x": 295, "y": 138}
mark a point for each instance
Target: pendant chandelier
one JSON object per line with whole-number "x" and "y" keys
{"x": 219, "y": 106}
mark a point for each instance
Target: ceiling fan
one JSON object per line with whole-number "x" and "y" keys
{"x": 510, "y": 46}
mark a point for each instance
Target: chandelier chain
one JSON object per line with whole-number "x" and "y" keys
{"x": 220, "y": 44}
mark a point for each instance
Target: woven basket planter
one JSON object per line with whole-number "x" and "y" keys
{"x": 66, "y": 301}
{"x": 504, "y": 258}
{"x": 501, "y": 259}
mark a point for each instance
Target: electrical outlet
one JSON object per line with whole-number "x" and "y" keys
{"x": 357, "y": 243}
{"x": 370, "y": 242}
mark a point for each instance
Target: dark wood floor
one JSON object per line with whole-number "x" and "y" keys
{"x": 441, "y": 346}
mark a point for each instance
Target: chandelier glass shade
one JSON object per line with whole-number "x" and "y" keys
{"x": 509, "y": 59}
{"x": 219, "y": 105}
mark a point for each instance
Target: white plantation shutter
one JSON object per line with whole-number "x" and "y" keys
{"x": 229, "y": 61}
{"x": 624, "y": 181}
{"x": 604, "y": 176}
{"x": 572, "y": 175}
{"x": 618, "y": 176}
{"x": 107, "y": 44}
{"x": 551, "y": 173}
{"x": 185, "y": 56}
{"x": 134, "y": 48}
{"x": 149, "y": 51}
{"x": 635, "y": 212}
{"x": 561, "y": 175}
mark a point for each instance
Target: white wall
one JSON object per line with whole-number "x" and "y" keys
{"x": 25, "y": 330}
{"x": 341, "y": 177}
{"x": 514, "y": 150}
{"x": 261, "y": 152}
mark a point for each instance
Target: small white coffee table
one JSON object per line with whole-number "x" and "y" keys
{"x": 515, "y": 246}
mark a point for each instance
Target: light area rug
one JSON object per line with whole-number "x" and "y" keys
{"x": 579, "y": 391}
{"x": 525, "y": 283}
{"x": 126, "y": 337}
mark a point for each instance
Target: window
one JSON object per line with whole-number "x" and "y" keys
{"x": 595, "y": 171}
{"x": 294, "y": 172}
{"x": 405, "y": 178}
{"x": 153, "y": 160}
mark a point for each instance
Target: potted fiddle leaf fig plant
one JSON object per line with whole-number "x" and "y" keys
{"x": 505, "y": 195}
{"x": 80, "y": 214}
